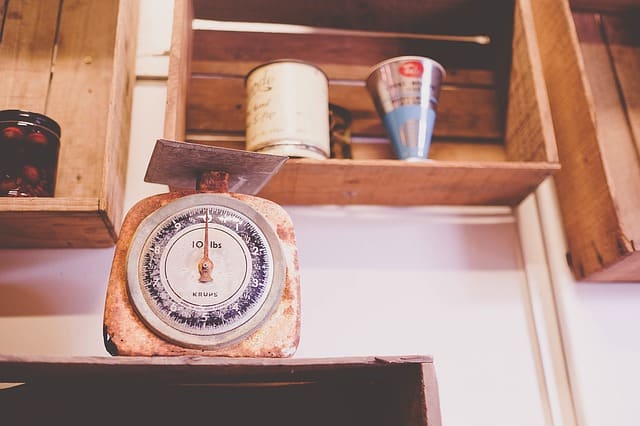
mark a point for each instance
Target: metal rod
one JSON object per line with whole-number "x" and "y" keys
{"x": 212, "y": 25}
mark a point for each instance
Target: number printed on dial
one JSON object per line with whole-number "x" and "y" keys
{"x": 205, "y": 270}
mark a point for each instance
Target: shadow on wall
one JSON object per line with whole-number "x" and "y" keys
{"x": 330, "y": 238}
{"x": 435, "y": 239}
{"x": 53, "y": 282}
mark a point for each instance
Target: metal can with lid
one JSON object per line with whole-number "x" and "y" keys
{"x": 287, "y": 109}
{"x": 29, "y": 146}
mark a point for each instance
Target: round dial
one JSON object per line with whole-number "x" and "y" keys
{"x": 205, "y": 270}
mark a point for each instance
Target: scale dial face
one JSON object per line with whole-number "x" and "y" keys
{"x": 205, "y": 271}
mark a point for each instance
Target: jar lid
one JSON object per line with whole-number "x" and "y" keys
{"x": 30, "y": 117}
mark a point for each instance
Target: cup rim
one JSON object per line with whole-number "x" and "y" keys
{"x": 381, "y": 64}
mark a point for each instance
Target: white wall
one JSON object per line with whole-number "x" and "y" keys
{"x": 386, "y": 281}
{"x": 599, "y": 322}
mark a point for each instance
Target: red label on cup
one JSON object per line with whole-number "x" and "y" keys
{"x": 411, "y": 69}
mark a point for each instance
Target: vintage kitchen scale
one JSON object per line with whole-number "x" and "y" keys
{"x": 208, "y": 270}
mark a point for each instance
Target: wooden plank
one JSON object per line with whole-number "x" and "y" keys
{"x": 594, "y": 237}
{"x": 587, "y": 209}
{"x": 337, "y": 72}
{"x": 90, "y": 218}
{"x": 66, "y": 224}
{"x": 430, "y": 397}
{"x": 338, "y": 391}
{"x": 363, "y": 149}
{"x": 616, "y": 143}
{"x": 621, "y": 29}
{"x": 90, "y": 96}
{"x": 179, "y": 70}
{"x": 26, "y": 53}
{"x": 440, "y": 150}
{"x": 81, "y": 83}
{"x": 198, "y": 369}
{"x": 465, "y": 151}
{"x": 423, "y": 405}
{"x": 307, "y": 182}
{"x": 118, "y": 129}
{"x": 340, "y": 404}
{"x": 329, "y": 51}
{"x": 529, "y": 131}
{"x": 53, "y": 205}
{"x": 443, "y": 150}
{"x": 218, "y": 105}
{"x": 623, "y": 36}
{"x": 469, "y": 128}
{"x": 590, "y": 211}
{"x": 3, "y": 10}
{"x": 435, "y": 17}
{"x": 610, "y": 6}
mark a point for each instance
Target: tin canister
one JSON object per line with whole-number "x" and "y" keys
{"x": 287, "y": 109}
{"x": 405, "y": 91}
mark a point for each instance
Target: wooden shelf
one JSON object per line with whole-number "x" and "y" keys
{"x": 341, "y": 391}
{"x": 591, "y": 59}
{"x": 392, "y": 182}
{"x": 493, "y": 142}
{"x": 73, "y": 61}
{"x": 55, "y": 223}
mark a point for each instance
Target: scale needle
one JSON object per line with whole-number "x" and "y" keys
{"x": 205, "y": 266}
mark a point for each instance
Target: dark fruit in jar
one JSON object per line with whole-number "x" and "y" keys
{"x": 12, "y": 133}
{"x": 37, "y": 138}
{"x": 29, "y": 144}
{"x": 30, "y": 173}
{"x": 7, "y": 183}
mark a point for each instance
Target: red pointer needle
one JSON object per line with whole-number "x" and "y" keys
{"x": 205, "y": 266}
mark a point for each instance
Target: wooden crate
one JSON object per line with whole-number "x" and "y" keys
{"x": 591, "y": 57}
{"x": 73, "y": 61}
{"x": 175, "y": 390}
{"x": 494, "y": 140}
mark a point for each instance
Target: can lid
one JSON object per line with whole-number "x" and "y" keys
{"x": 31, "y": 117}
{"x": 285, "y": 61}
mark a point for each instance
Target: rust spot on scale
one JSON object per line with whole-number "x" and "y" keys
{"x": 213, "y": 181}
{"x": 296, "y": 263}
{"x": 285, "y": 233}
{"x": 287, "y": 293}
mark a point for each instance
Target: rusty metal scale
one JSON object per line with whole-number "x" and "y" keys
{"x": 211, "y": 270}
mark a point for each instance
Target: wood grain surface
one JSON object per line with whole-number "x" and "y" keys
{"x": 599, "y": 184}
{"x": 72, "y": 61}
{"x": 26, "y": 54}
{"x": 493, "y": 123}
{"x": 305, "y": 181}
{"x": 399, "y": 390}
{"x": 196, "y": 369}
{"x": 463, "y": 112}
{"x": 414, "y": 16}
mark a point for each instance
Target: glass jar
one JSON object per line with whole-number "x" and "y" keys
{"x": 29, "y": 145}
